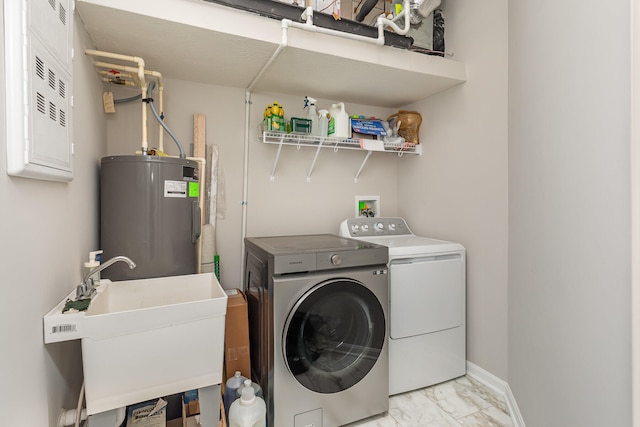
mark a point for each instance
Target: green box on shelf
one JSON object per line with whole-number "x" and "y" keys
{"x": 299, "y": 125}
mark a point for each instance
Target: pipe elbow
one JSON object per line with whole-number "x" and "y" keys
{"x": 138, "y": 61}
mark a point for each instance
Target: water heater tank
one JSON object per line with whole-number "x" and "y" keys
{"x": 149, "y": 212}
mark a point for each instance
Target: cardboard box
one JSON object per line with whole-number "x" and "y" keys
{"x": 330, "y": 7}
{"x": 188, "y": 419}
{"x": 236, "y": 339}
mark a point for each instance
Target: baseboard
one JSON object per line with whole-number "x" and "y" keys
{"x": 499, "y": 386}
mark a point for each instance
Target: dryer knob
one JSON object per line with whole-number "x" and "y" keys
{"x": 336, "y": 259}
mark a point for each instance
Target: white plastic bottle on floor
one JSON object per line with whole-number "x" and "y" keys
{"x": 230, "y": 389}
{"x": 248, "y": 411}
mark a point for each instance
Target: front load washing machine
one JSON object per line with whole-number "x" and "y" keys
{"x": 317, "y": 328}
{"x": 427, "y": 330}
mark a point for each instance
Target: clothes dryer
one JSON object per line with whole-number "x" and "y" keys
{"x": 317, "y": 328}
{"x": 427, "y": 330}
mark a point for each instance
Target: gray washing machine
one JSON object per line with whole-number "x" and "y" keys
{"x": 318, "y": 328}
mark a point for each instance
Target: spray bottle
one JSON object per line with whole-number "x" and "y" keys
{"x": 312, "y": 115}
{"x": 324, "y": 122}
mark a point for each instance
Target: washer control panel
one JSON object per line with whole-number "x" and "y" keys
{"x": 366, "y": 227}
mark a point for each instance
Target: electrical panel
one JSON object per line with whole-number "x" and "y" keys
{"x": 38, "y": 36}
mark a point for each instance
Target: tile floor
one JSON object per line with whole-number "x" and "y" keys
{"x": 462, "y": 402}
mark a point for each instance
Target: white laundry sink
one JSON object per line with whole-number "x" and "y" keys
{"x": 146, "y": 338}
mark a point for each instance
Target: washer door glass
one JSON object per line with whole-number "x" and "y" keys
{"x": 334, "y": 335}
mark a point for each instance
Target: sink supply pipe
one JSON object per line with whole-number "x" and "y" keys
{"x": 143, "y": 84}
{"x": 307, "y": 16}
{"x": 128, "y": 69}
{"x": 80, "y": 399}
{"x": 73, "y": 417}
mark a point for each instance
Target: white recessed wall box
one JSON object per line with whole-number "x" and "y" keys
{"x": 38, "y": 68}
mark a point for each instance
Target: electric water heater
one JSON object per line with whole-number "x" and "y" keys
{"x": 149, "y": 212}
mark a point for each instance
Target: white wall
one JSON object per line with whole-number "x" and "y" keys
{"x": 287, "y": 205}
{"x": 569, "y": 234}
{"x": 47, "y": 229}
{"x": 457, "y": 190}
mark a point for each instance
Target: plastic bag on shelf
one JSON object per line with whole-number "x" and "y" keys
{"x": 409, "y": 128}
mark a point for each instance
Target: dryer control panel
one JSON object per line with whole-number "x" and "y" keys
{"x": 370, "y": 227}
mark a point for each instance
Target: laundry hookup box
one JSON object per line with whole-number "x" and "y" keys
{"x": 236, "y": 339}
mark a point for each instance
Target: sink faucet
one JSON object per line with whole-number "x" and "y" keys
{"x": 86, "y": 289}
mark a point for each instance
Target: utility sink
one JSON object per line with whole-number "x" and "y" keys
{"x": 146, "y": 338}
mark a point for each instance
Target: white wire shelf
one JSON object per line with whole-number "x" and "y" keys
{"x": 305, "y": 140}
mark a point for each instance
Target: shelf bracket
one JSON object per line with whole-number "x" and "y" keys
{"x": 313, "y": 164}
{"x": 355, "y": 179}
{"x": 275, "y": 162}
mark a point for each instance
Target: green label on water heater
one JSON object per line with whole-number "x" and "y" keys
{"x": 194, "y": 189}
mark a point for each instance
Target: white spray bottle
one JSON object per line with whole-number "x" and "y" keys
{"x": 324, "y": 122}
{"x": 312, "y": 115}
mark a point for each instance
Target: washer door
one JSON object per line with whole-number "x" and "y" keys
{"x": 334, "y": 335}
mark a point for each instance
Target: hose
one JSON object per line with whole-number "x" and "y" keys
{"x": 366, "y": 8}
{"x": 131, "y": 98}
{"x": 79, "y": 407}
{"x": 149, "y": 101}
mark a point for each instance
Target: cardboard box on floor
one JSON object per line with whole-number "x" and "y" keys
{"x": 236, "y": 339}
{"x": 190, "y": 415}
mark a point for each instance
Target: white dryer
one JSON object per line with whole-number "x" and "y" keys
{"x": 427, "y": 314}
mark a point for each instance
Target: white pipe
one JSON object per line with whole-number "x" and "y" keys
{"x": 284, "y": 42}
{"x": 307, "y": 16}
{"x": 161, "y": 102}
{"x": 111, "y": 55}
{"x": 382, "y": 22}
{"x": 247, "y": 123}
{"x": 315, "y": 29}
{"x": 635, "y": 213}
{"x": 79, "y": 406}
{"x": 245, "y": 167}
{"x": 143, "y": 83}
{"x": 133, "y": 82}
{"x": 68, "y": 417}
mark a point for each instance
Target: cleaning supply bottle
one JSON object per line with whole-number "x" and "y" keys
{"x": 341, "y": 120}
{"x": 257, "y": 390}
{"x": 230, "y": 389}
{"x": 95, "y": 258}
{"x": 248, "y": 411}
{"x": 323, "y": 122}
{"x": 312, "y": 115}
